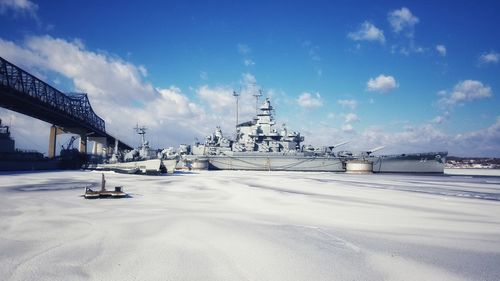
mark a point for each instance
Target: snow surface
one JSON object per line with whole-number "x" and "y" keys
{"x": 240, "y": 225}
{"x": 473, "y": 172}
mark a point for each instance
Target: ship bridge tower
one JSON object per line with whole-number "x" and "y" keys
{"x": 265, "y": 117}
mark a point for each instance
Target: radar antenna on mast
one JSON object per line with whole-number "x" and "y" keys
{"x": 141, "y": 131}
{"x": 236, "y": 95}
{"x": 257, "y": 94}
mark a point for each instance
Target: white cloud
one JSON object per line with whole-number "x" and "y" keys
{"x": 347, "y": 128}
{"x": 367, "y": 32}
{"x": 249, "y": 79}
{"x": 351, "y": 117}
{"x": 218, "y": 98}
{"x": 464, "y": 91}
{"x": 18, "y": 6}
{"x": 402, "y": 20}
{"x": 248, "y": 62}
{"x": 440, "y": 118}
{"x": 99, "y": 75}
{"x": 352, "y": 104}
{"x": 244, "y": 49}
{"x": 491, "y": 57}
{"x": 309, "y": 101}
{"x": 412, "y": 138}
{"x": 408, "y": 48}
{"x": 442, "y": 93}
{"x": 173, "y": 104}
{"x": 382, "y": 84}
{"x": 23, "y": 57}
{"x": 118, "y": 91}
{"x": 484, "y": 142}
{"x": 143, "y": 70}
{"x": 441, "y": 49}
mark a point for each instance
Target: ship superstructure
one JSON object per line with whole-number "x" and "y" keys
{"x": 142, "y": 159}
{"x": 260, "y": 134}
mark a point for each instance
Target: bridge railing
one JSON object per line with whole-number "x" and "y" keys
{"x": 76, "y": 106}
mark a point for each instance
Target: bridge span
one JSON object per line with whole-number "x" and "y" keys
{"x": 22, "y": 92}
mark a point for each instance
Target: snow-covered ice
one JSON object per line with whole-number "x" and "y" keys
{"x": 240, "y": 225}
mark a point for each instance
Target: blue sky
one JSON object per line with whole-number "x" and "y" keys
{"x": 414, "y": 76}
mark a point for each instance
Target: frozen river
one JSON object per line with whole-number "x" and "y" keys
{"x": 236, "y": 225}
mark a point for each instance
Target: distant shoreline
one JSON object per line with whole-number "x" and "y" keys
{"x": 472, "y": 171}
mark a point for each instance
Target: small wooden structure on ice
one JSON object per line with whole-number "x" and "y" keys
{"x": 103, "y": 193}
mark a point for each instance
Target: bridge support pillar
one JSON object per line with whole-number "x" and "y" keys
{"x": 100, "y": 144}
{"x": 52, "y": 141}
{"x": 115, "y": 150}
{"x": 83, "y": 144}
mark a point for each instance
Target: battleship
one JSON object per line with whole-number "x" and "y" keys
{"x": 141, "y": 160}
{"x": 260, "y": 146}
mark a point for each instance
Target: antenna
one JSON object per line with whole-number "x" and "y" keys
{"x": 257, "y": 95}
{"x": 236, "y": 95}
{"x": 141, "y": 131}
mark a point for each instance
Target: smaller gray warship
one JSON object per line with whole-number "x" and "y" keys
{"x": 259, "y": 146}
{"x": 141, "y": 160}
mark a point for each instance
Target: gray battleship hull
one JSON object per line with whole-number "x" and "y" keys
{"x": 431, "y": 162}
{"x": 403, "y": 163}
{"x": 275, "y": 163}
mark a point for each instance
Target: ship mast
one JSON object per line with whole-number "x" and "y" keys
{"x": 257, "y": 95}
{"x": 236, "y": 95}
{"x": 141, "y": 131}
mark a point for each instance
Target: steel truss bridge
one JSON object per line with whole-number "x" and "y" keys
{"x": 22, "y": 92}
